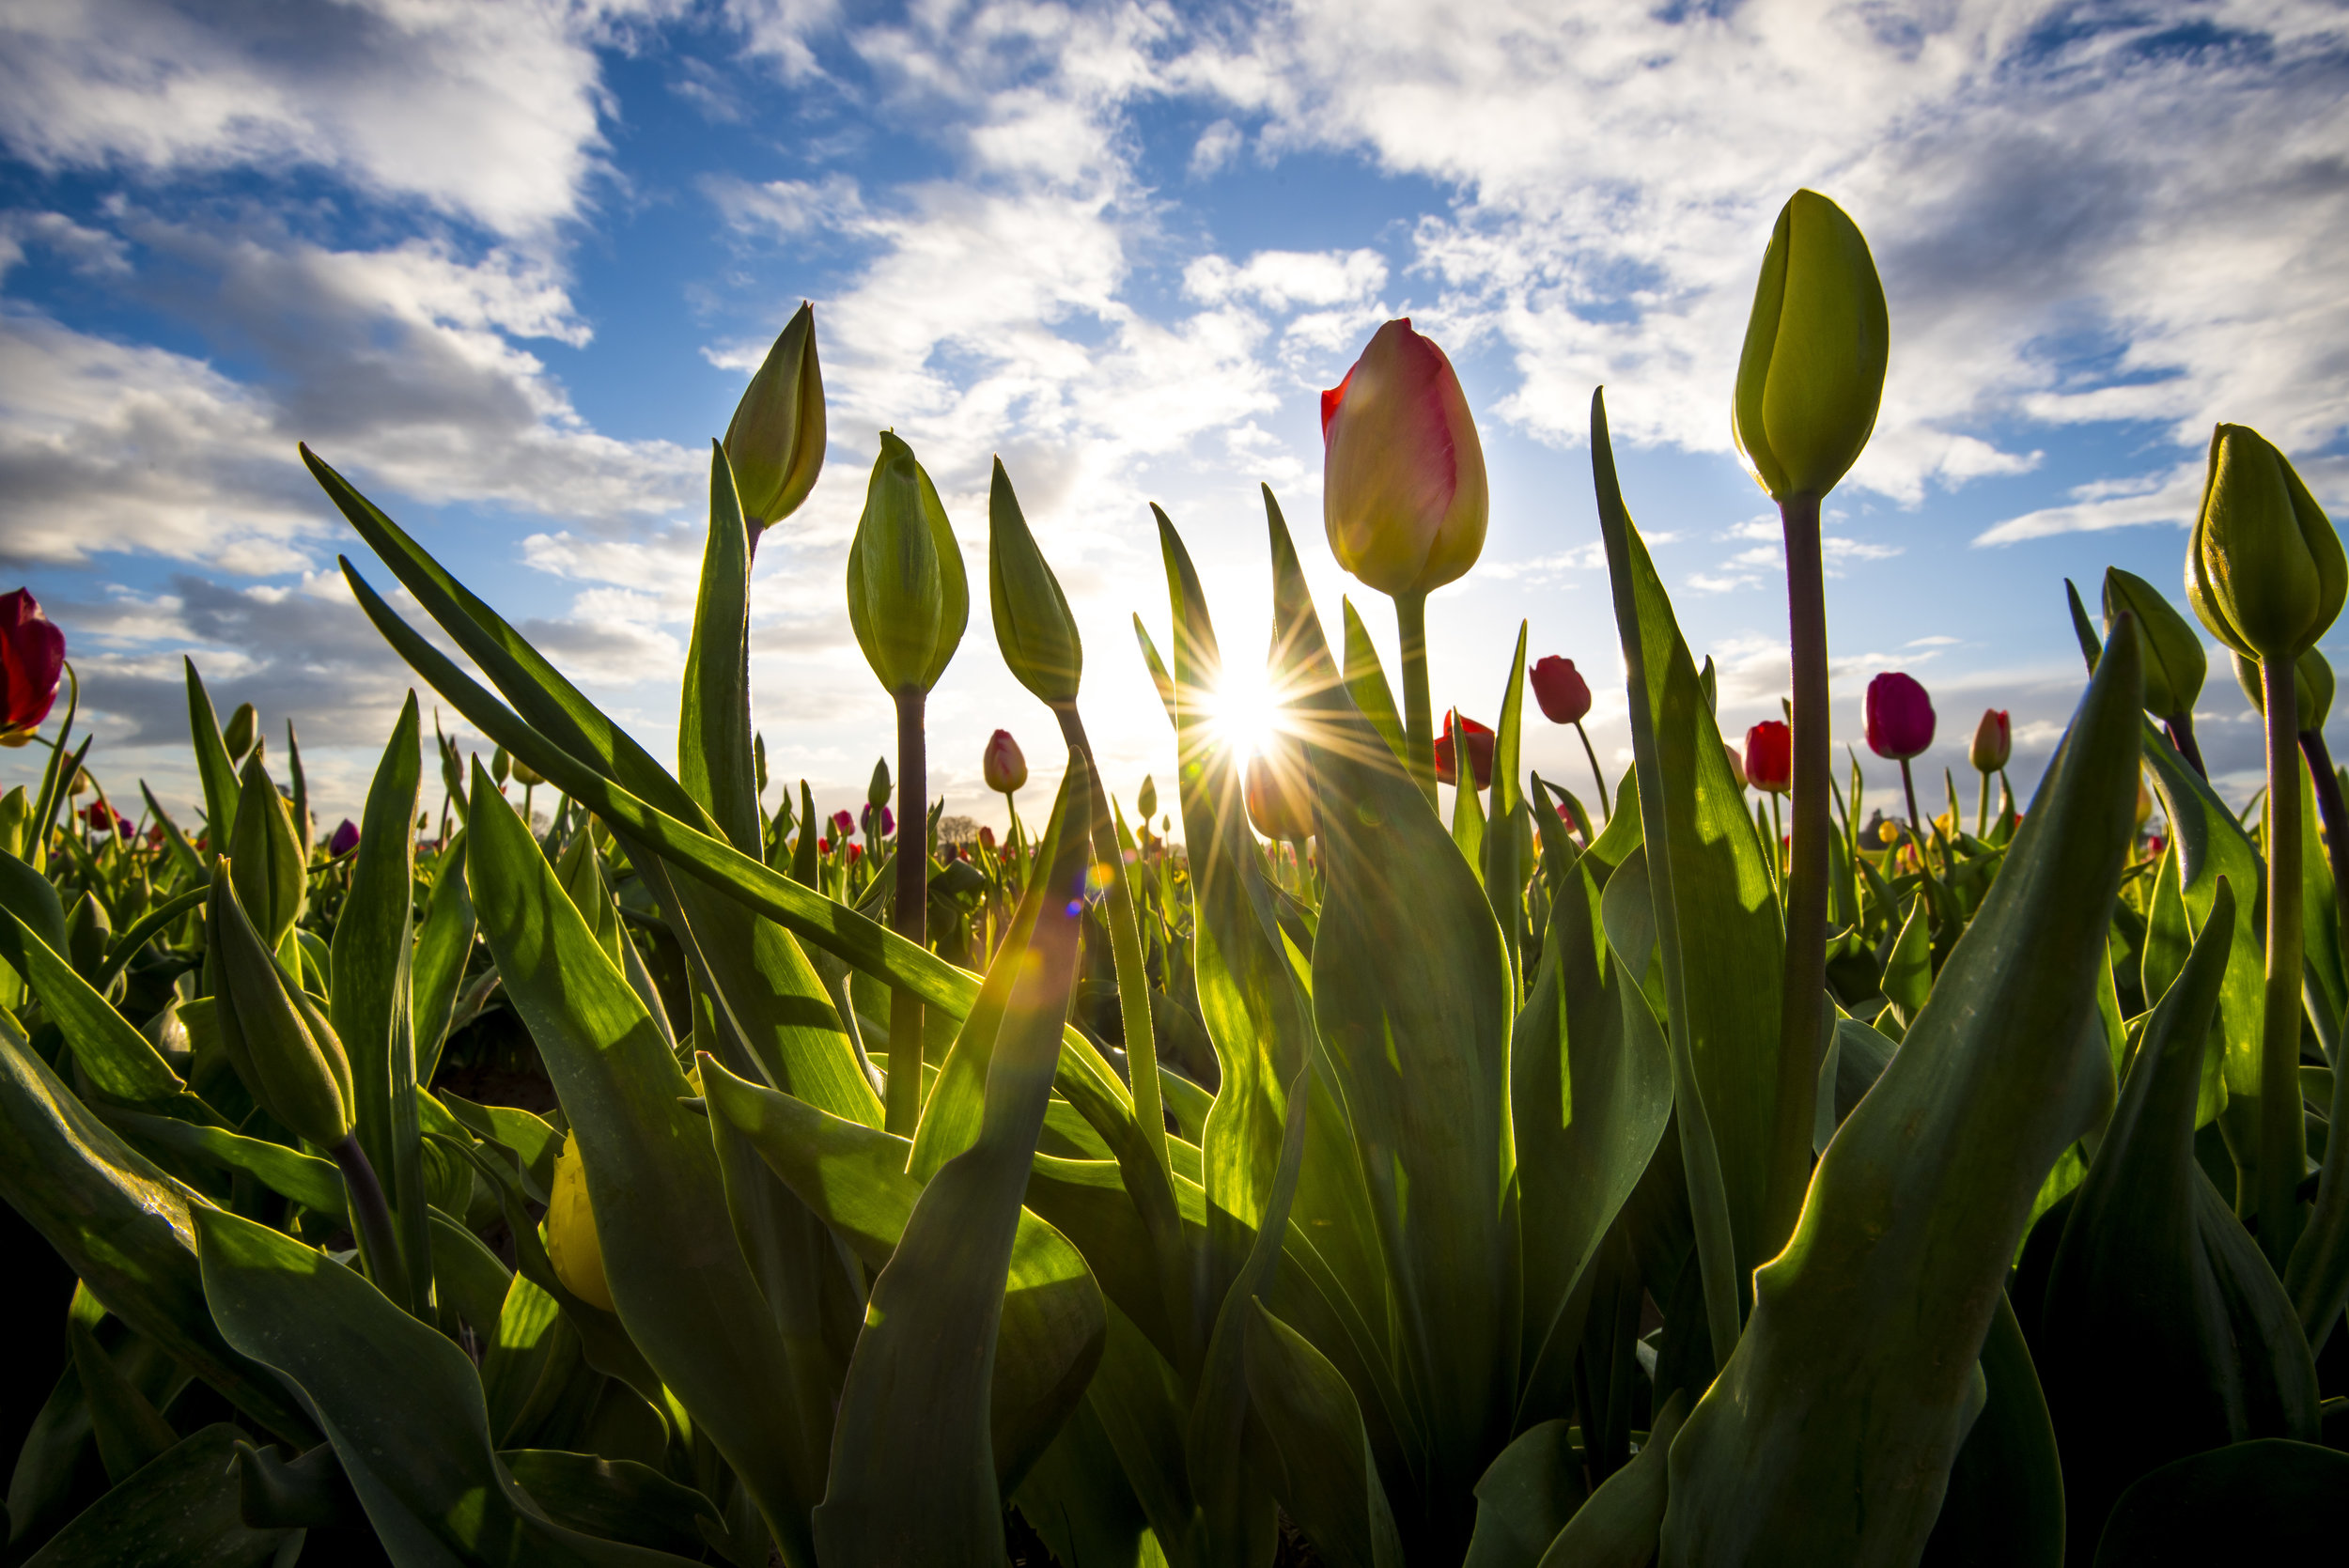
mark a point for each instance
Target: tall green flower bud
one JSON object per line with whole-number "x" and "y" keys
{"x": 907, "y": 599}
{"x": 1811, "y": 376}
{"x": 16, "y": 820}
{"x": 775, "y": 443}
{"x": 270, "y": 866}
{"x": 876, "y": 792}
{"x": 2175, "y": 662}
{"x": 2312, "y": 688}
{"x": 276, "y": 1038}
{"x": 243, "y": 728}
{"x": 2265, "y": 570}
{"x": 1033, "y": 626}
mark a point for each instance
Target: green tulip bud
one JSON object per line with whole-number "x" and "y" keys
{"x": 2175, "y": 664}
{"x": 501, "y": 767}
{"x": 2265, "y": 570}
{"x": 907, "y": 599}
{"x": 759, "y": 769}
{"x": 16, "y": 820}
{"x": 1812, "y": 375}
{"x": 876, "y": 792}
{"x": 276, "y": 1037}
{"x": 270, "y": 866}
{"x": 775, "y": 444}
{"x": 2312, "y": 688}
{"x": 1033, "y": 626}
{"x": 89, "y": 933}
{"x": 237, "y": 735}
{"x": 1146, "y": 798}
{"x": 524, "y": 774}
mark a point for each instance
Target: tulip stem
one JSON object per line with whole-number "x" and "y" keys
{"x": 371, "y": 1219}
{"x": 2181, "y": 728}
{"x": 1916, "y": 822}
{"x": 1606, "y": 804}
{"x": 910, "y": 919}
{"x": 2283, "y": 1133}
{"x": 2316, "y": 1290}
{"x": 1982, "y": 813}
{"x": 1419, "y": 717}
{"x": 1802, "y": 986}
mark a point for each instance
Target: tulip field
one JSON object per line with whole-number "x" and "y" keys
{"x": 1371, "y": 1151}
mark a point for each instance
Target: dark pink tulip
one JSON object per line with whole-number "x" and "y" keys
{"x": 32, "y": 656}
{"x": 1564, "y": 696}
{"x": 1899, "y": 717}
{"x": 344, "y": 838}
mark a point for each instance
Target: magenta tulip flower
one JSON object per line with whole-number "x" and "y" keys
{"x": 1899, "y": 717}
{"x": 32, "y": 657}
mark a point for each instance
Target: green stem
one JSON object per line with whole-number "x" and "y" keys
{"x": 909, "y": 917}
{"x": 371, "y": 1219}
{"x": 2282, "y": 1131}
{"x": 1418, "y": 717}
{"x": 1605, "y": 802}
{"x": 1802, "y": 986}
{"x": 2318, "y": 1277}
{"x": 1982, "y": 813}
{"x": 1916, "y": 822}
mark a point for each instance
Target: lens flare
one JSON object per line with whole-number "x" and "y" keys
{"x": 1244, "y": 711}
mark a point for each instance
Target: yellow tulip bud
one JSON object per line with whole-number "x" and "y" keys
{"x": 572, "y": 1245}
{"x": 908, "y": 598}
{"x": 775, "y": 443}
{"x": 2264, "y": 571}
{"x": 1812, "y": 375}
{"x": 1403, "y": 493}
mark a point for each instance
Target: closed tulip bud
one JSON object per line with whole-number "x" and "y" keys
{"x": 1812, "y": 375}
{"x": 2312, "y": 688}
{"x": 1007, "y": 770}
{"x": 907, "y": 599}
{"x": 345, "y": 839}
{"x": 1770, "y": 757}
{"x": 1736, "y": 764}
{"x": 1994, "y": 741}
{"x": 32, "y": 661}
{"x": 572, "y": 1245}
{"x": 1280, "y": 799}
{"x": 275, "y": 1036}
{"x": 1146, "y": 798}
{"x": 775, "y": 443}
{"x": 16, "y": 817}
{"x": 239, "y": 732}
{"x": 1403, "y": 491}
{"x": 877, "y": 789}
{"x": 501, "y": 767}
{"x": 271, "y": 871}
{"x": 1899, "y": 717}
{"x": 524, "y": 774}
{"x": 2175, "y": 664}
{"x": 1564, "y": 696}
{"x": 2264, "y": 571}
{"x": 1478, "y": 740}
{"x": 1033, "y": 626}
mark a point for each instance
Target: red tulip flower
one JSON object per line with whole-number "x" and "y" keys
{"x": 1899, "y": 717}
{"x": 1479, "y": 741}
{"x": 843, "y": 823}
{"x": 104, "y": 818}
{"x": 1004, "y": 769}
{"x": 32, "y": 656}
{"x": 1403, "y": 493}
{"x": 1565, "y": 698}
{"x": 1994, "y": 741}
{"x": 987, "y": 836}
{"x": 1770, "y": 757}
{"x": 855, "y": 853}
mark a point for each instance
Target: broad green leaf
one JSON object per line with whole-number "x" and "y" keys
{"x": 2274, "y": 1500}
{"x": 1909, "y": 971}
{"x": 1328, "y": 1480}
{"x": 443, "y": 942}
{"x": 1367, "y": 683}
{"x": 124, "y": 1226}
{"x": 120, "y": 1062}
{"x": 1504, "y": 880}
{"x": 129, "y": 1431}
{"x": 1412, "y": 1001}
{"x": 1589, "y": 1098}
{"x": 676, "y": 1272}
{"x": 1618, "y": 1527}
{"x": 714, "y": 760}
{"x": 312, "y": 1182}
{"x": 1719, "y": 925}
{"x": 1078, "y": 1498}
{"x": 180, "y": 1510}
{"x": 472, "y": 1281}
{"x": 1526, "y": 1498}
{"x": 1856, "y": 1376}
{"x": 28, "y": 895}
{"x": 916, "y": 1401}
{"x": 400, "y": 1403}
{"x": 2005, "y": 1499}
{"x": 618, "y": 1499}
{"x": 1468, "y": 823}
{"x": 2155, "y": 1272}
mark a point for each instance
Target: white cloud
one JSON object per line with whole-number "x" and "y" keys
{"x": 1216, "y": 146}
{"x": 486, "y": 112}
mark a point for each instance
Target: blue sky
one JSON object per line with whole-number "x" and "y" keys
{"x": 508, "y": 266}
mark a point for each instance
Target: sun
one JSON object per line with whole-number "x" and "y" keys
{"x": 1243, "y": 711}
